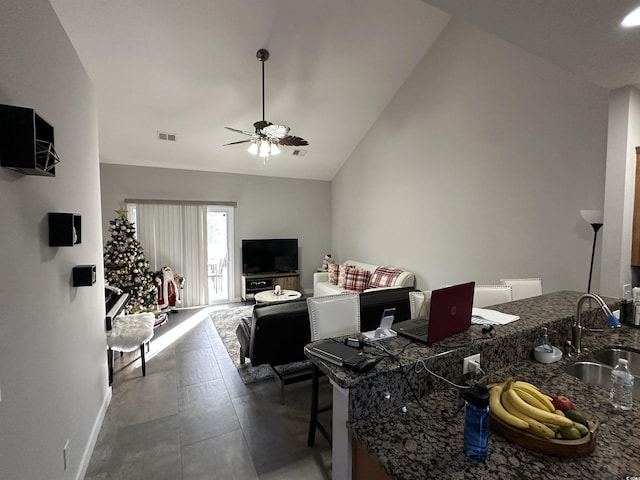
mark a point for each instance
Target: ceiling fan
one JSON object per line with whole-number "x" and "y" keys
{"x": 267, "y": 138}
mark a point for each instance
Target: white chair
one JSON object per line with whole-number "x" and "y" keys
{"x": 334, "y": 315}
{"x": 417, "y": 303}
{"x": 127, "y": 333}
{"x": 329, "y": 316}
{"x": 524, "y": 287}
{"x": 485, "y": 295}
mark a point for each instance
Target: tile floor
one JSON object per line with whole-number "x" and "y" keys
{"x": 191, "y": 417}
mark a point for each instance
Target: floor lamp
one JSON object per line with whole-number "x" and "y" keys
{"x": 594, "y": 218}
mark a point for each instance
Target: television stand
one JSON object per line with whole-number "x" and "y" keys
{"x": 253, "y": 283}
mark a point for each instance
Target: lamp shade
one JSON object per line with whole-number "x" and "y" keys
{"x": 265, "y": 148}
{"x": 594, "y": 217}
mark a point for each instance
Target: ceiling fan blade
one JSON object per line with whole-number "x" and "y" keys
{"x": 236, "y": 143}
{"x": 291, "y": 140}
{"x": 244, "y": 132}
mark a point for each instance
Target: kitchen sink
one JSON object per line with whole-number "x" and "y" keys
{"x": 598, "y": 371}
{"x": 592, "y": 373}
{"x": 610, "y": 356}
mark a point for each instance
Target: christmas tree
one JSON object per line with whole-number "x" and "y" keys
{"x": 125, "y": 266}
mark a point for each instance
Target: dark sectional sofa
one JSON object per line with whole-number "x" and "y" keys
{"x": 276, "y": 333}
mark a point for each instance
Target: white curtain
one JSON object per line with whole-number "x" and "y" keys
{"x": 176, "y": 236}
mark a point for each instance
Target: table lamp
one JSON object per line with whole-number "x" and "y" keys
{"x": 594, "y": 218}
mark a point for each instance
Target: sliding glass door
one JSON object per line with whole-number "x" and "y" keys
{"x": 195, "y": 240}
{"x": 219, "y": 253}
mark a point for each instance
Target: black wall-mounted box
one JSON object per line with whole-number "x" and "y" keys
{"x": 65, "y": 229}
{"x": 84, "y": 275}
{"x": 25, "y": 141}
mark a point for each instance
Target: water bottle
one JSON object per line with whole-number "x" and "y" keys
{"x": 621, "y": 386}
{"x": 476, "y": 422}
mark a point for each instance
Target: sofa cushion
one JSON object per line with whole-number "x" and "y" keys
{"x": 325, "y": 288}
{"x": 356, "y": 279}
{"x": 384, "y": 277}
{"x": 333, "y": 270}
{"x": 343, "y": 274}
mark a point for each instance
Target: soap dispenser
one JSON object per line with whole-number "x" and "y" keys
{"x": 544, "y": 352}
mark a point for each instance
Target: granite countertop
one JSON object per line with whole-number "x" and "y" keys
{"x": 553, "y": 310}
{"x": 424, "y": 440}
{"x": 427, "y": 442}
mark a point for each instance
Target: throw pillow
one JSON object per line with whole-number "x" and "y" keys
{"x": 384, "y": 277}
{"x": 333, "y": 270}
{"x": 356, "y": 279}
{"x": 342, "y": 274}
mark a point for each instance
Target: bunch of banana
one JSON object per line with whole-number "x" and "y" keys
{"x": 523, "y": 405}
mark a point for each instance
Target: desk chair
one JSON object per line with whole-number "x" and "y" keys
{"x": 524, "y": 287}
{"x": 329, "y": 316}
{"x": 127, "y": 333}
{"x": 485, "y": 295}
{"x": 417, "y": 303}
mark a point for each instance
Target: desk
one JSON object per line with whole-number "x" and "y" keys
{"x": 369, "y": 405}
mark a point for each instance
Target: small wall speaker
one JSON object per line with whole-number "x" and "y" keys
{"x": 84, "y": 275}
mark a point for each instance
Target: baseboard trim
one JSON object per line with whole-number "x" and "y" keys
{"x": 93, "y": 438}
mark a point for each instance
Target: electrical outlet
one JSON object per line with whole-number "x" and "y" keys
{"x": 626, "y": 291}
{"x": 65, "y": 455}
{"x": 468, "y": 366}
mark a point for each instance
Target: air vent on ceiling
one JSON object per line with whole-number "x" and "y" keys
{"x": 299, "y": 153}
{"x": 169, "y": 137}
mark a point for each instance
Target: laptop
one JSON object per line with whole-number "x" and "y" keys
{"x": 449, "y": 313}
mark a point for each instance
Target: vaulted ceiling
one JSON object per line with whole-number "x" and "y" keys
{"x": 189, "y": 68}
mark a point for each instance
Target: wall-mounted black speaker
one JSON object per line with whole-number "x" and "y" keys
{"x": 84, "y": 275}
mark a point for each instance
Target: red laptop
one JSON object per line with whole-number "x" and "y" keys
{"x": 449, "y": 313}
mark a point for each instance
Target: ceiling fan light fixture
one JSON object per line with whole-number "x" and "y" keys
{"x": 274, "y": 149}
{"x": 265, "y": 148}
{"x": 253, "y": 148}
{"x": 632, "y": 19}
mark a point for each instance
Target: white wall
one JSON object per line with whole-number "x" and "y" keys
{"x": 53, "y": 369}
{"x": 268, "y": 207}
{"x": 478, "y": 169}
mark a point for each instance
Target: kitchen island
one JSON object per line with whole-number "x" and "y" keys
{"x": 410, "y": 422}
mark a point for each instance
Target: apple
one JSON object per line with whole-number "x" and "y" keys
{"x": 562, "y": 403}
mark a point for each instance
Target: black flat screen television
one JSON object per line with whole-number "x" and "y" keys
{"x": 270, "y": 256}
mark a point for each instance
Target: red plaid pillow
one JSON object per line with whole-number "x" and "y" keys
{"x": 384, "y": 277}
{"x": 356, "y": 279}
{"x": 333, "y": 270}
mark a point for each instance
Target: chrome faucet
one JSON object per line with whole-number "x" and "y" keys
{"x": 577, "y": 328}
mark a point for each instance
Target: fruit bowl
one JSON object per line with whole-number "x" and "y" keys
{"x": 580, "y": 447}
